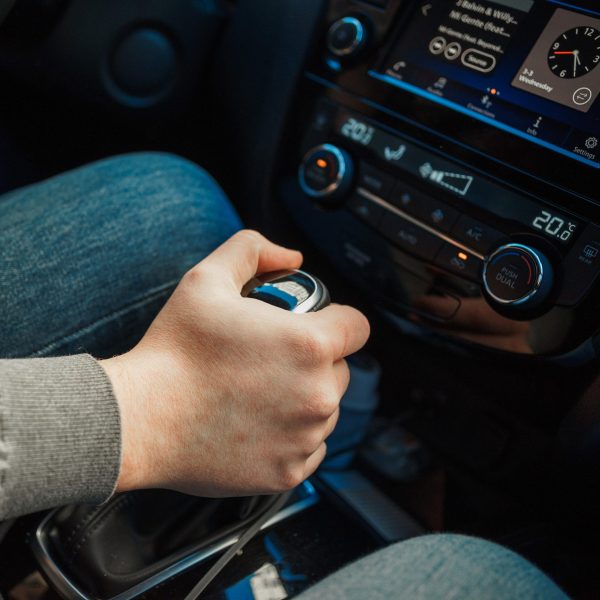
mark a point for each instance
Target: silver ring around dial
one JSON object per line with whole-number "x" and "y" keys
{"x": 358, "y": 40}
{"x": 538, "y": 280}
{"x": 334, "y": 186}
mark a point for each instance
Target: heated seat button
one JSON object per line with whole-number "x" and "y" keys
{"x": 432, "y": 212}
{"x": 476, "y": 235}
{"x": 458, "y": 261}
{"x": 368, "y": 211}
{"x": 375, "y": 181}
{"x": 409, "y": 237}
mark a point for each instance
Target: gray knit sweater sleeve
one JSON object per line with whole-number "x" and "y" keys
{"x": 60, "y": 438}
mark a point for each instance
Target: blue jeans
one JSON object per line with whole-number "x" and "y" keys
{"x": 88, "y": 259}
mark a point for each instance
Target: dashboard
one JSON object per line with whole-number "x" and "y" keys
{"x": 446, "y": 161}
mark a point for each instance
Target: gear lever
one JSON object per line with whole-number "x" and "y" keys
{"x": 297, "y": 292}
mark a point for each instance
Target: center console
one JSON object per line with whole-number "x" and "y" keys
{"x": 445, "y": 157}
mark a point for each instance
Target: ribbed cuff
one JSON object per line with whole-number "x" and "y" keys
{"x": 60, "y": 434}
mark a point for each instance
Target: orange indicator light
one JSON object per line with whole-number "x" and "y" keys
{"x": 321, "y": 163}
{"x": 462, "y": 256}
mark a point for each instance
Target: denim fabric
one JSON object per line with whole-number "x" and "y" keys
{"x": 89, "y": 257}
{"x": 438, "y": 567}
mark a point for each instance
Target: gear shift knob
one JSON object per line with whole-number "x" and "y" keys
{"x": 295, "y": 291}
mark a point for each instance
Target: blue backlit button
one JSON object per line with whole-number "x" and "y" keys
{"x": 458, "y": 261}
{"x": 581, "y": 267}
{"x": 409, "y": 237}
{"x": 475, "y": 234}
{"x": 405, "y": 198}
{"x": 436, "y": 214}
{"x": 432, "y": 212}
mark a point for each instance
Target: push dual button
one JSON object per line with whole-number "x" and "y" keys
{"x": 409, "y": 237}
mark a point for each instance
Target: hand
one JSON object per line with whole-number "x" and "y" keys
{"x": 227, "y": 395}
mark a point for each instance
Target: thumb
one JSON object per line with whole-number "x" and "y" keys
{"x": 247, "y": 253}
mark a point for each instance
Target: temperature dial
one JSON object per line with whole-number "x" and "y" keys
{"x": 326, "y": 173}
{"x": 518, "y": 275}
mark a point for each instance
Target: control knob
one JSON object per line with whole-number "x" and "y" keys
{"x": 326, "y": 173}
{"x": 518, "y": 276}
{"x": 347, "y": 37}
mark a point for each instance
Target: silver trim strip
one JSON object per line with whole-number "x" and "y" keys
{"x": 370, "y": 196}
{"x": 70, "y": 591}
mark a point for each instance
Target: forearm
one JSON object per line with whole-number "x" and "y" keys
{"x": 60, "y": 439}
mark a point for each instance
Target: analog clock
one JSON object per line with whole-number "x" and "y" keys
{"x": 575, "y": 53}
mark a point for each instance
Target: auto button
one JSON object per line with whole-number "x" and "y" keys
{"x": 409, "y": 237}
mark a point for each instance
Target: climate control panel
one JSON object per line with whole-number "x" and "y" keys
{"x": 526, "y": 257}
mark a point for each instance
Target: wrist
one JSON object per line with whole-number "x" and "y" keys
{"x": 129, "y": 398}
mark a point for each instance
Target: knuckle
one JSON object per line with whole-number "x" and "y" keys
{"x": 311, "y": 348}
{"x": 248, "y": 236}
{"x": 196, "y": 275}
{"x": 290, "y": 477}
{"x": 321, "y": 404}
{"x": 310, "y": 443}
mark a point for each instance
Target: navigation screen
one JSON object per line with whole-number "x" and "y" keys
{"x": 529, "y": 67}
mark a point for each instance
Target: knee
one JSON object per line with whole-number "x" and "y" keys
{"x": 439, "y": 566}
{"x": 158, "y": 208}
{"x": 165, "y": 189}
{"x": 470, "y": 567}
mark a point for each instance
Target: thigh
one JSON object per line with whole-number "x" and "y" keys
{"x": 88, "y": 258}
{"x": 438, "y": 567}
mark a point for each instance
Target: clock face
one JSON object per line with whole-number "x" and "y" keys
{"x": 575, "y": 53}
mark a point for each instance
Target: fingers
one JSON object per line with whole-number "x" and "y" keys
{"x": 331, "y": 423}
{"x": 248, "y": 253}
{"x": 313, "y": 462}
{"x": 341, "y": 372}
{"x": 346, "y": 329}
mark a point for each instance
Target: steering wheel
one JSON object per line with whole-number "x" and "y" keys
{"x": 5, "y": 8}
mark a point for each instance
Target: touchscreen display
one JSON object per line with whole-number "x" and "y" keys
{"x": 529, "y": 67}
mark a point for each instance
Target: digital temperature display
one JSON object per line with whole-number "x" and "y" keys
{"x": 554, "y": 226}
{"x": 357, "y": 131}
